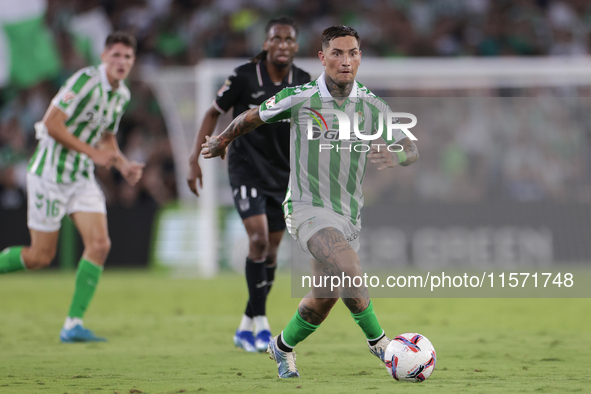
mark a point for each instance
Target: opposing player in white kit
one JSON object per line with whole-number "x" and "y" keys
{"x": 324, "y": 197}
{"x": 77, "y": 132}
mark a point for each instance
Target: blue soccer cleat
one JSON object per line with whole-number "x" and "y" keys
{"x": 261, "y": 342}
{"x": 286, "y": 361}
{"x": 244, "y": 340}
{"x": 79, "y": 334}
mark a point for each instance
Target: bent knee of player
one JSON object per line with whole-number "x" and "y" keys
{"x": 97, "y": 249}
{"x": 39, "y": 257}
{"x": 349, "y": 264}
{"x": 259, "y": 245}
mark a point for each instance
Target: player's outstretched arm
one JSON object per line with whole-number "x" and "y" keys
{"x": 207, "y": 128}
{"x": 245, "y": 122}
{"x": 379, "y": 155}
{"x": 410, "y": 151}
{"x": 130, "y": 170}
{"x": 55, "y": 122}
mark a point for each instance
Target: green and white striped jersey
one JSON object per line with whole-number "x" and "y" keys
{"x": 326, "y": 171}
{"x": 92, "y": 108}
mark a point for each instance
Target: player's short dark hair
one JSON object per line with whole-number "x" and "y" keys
{"x": 121, "y": 37}
{"x": 282, "y": 20}
{"x": 337, "y": 31}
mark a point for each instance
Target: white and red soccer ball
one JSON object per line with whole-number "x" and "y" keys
{"x": 410, "y": 357}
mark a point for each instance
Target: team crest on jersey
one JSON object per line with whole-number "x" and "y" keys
{"x": 361, "y": 116}
{"x": 68, "y": 97}
{"x": 271, "y": 102}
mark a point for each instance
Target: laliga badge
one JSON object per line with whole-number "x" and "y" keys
{"x": 271, "y": 102}
{"x": 68, "y": 97}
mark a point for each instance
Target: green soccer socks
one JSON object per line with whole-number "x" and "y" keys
{"x": 11, "y": 260}
{"x": 368, "y": 322}
{"x": 297, "y": 330}
{"x": 87, "y": 277}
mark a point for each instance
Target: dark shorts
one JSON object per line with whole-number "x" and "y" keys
{"x": 249, "y": 201}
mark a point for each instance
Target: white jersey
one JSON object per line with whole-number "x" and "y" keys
{"x": 326, "y": 171}
{"x": 92, "y": 108}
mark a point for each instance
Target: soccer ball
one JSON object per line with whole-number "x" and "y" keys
{"x": 410, "y": 357}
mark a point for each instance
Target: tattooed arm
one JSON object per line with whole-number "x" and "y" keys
{"x": 388, "y": 159}
{"x": 245, "y": 122}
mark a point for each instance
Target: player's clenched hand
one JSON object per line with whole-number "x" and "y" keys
{"x": 380, "y": 154}
{"x": 213, "y": 148}
{"x": 132, "y": 172}
{"x": 194, "y": 176}
{"x": 104, "y": 158}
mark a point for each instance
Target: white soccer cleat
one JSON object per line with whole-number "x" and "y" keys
{"x": 379, "y": 349}
{"x": 286, "y": 361}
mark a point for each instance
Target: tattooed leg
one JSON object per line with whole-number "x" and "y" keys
{"x": 335, "y": 256}
{"x": 316, "y": 310}
{"x": 316, "y": 306}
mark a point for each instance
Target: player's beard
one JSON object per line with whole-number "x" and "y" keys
{"x": 282, "y": 65}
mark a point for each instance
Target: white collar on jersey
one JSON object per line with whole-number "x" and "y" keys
{"x": 104, "y": 80}
{"x": 326, "y": 96}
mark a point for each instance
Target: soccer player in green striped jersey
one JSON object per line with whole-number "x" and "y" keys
{"x": 76, "y": 133}
{"x": 324, "y": 198}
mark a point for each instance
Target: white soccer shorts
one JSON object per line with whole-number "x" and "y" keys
{"x": 306, "y": 220}
{"x": 48, "y": 202}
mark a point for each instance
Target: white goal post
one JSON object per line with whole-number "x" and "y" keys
{"x": 185, "y": 93}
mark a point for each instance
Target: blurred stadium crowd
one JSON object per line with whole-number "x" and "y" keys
{"x": 530, "y": 147}
{"x": 182, "y": 32}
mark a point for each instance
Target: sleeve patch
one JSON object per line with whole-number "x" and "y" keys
{"x": 224, "y": 87}
{"x": 69, "y": 97}
{"x": 270, "y": 103}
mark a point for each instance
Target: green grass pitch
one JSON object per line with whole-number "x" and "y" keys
{"x": 175, "y": 335}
